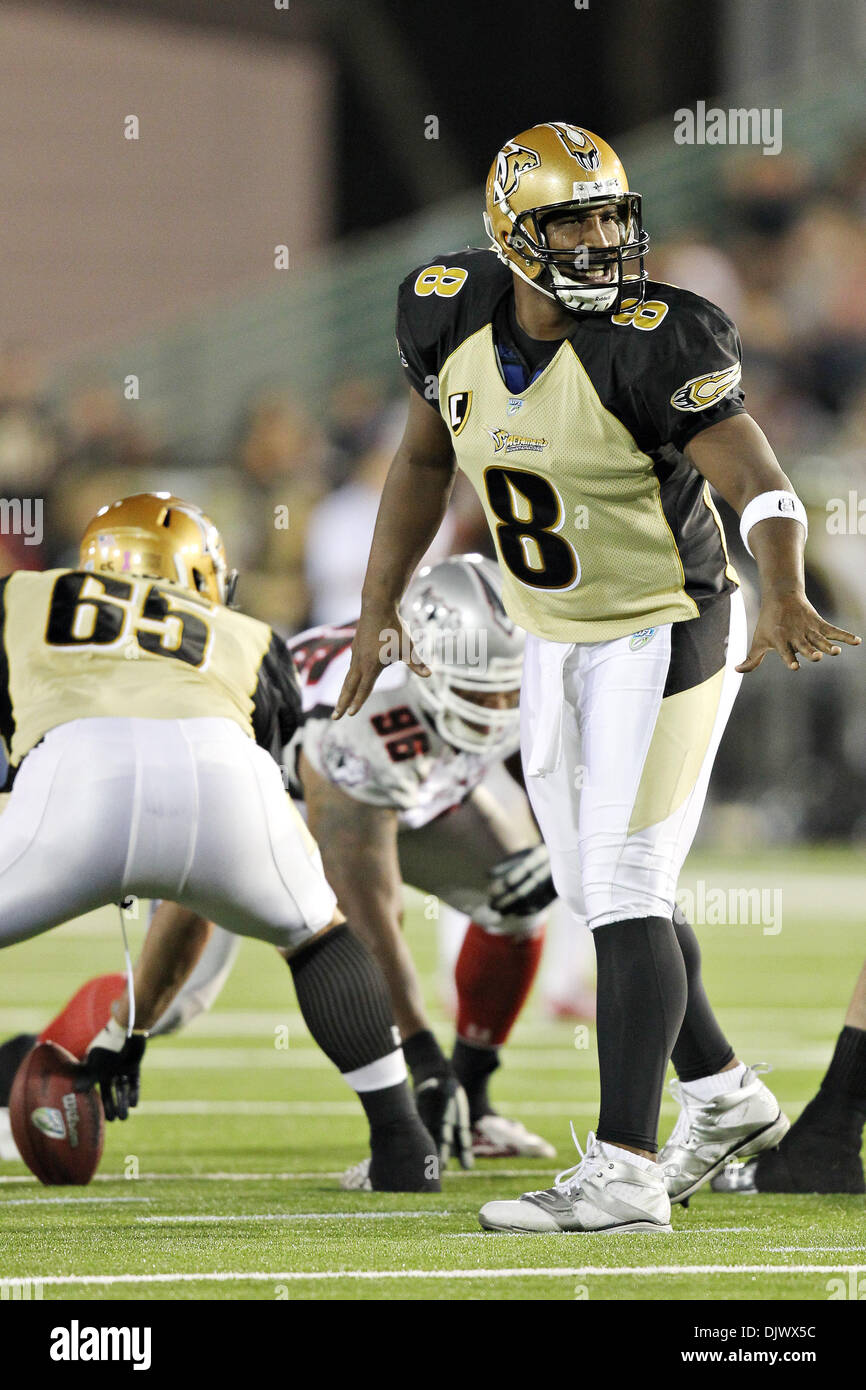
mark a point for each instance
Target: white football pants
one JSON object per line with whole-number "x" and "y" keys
{"x": 186, "y": 809}
{"x": 618, "y": 741}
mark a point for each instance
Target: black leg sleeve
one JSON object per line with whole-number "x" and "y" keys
{"x": 344, "y": 999}
{"x": 701, "y": 1048}
{"x": 641, "y": 1002}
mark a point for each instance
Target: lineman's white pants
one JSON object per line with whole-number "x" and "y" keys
{"x": 186, "y": 809}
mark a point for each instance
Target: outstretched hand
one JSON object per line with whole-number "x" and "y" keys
{"x": 788, "y": 624}
{"x": 380, "y": 639}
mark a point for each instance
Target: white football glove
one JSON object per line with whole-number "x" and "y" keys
{"x": 521, "y": 884}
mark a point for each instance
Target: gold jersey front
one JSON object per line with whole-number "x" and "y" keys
{"x": 78, "y": 645}
{"x": 602, "y": 526}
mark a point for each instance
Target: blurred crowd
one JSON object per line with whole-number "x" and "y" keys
{"x": 296, "y": 495}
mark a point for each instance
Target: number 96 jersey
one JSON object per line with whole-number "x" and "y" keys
{"x": 76, "y": 645}
{"x": 575, "y": 447}
{"x": 389, "y": 754}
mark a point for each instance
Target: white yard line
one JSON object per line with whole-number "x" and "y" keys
{"x": 350, "y": 1107}
{"x": 297, "y": 1058}
{"x": 67, "y": 1201}
{"x": 703, "y": 1231}
{"x": 274, "y": 1177}
{"x": 212, "y": 1219}
{"x": 287, "y": 1276}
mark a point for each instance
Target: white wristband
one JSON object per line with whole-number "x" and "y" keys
{"x": 786, "y": 505}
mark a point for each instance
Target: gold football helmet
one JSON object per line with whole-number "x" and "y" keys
{"x": 157, "y": 536}
{"x": 551, "y": 169}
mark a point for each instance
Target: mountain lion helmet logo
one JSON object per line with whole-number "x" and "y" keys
{"x": 513, "y": 161}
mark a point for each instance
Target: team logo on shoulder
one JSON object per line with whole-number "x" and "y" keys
{"x": 578, "y": 144}
{"x": 506, "y": 443}
{"x": 342, "y": 765}
{"x": 703, "y": 391}
{"x": 640, "y": 639}
{"x": 49, "y": 1121}
{"x": 512, "y": 162}
{"x": 459, "y": 406}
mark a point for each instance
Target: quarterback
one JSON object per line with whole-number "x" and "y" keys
{"x": 401, "y": 794}
{"x": 142, "y": 719}
{"x": 591, "y": 409}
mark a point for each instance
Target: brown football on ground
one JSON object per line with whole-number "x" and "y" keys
{"x": 56, "y": 1116}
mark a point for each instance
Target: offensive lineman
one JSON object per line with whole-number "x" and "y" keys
{"x": 139, "y": 716}
{"x": 591, "y": 409}
{"x": 400, "y": 795}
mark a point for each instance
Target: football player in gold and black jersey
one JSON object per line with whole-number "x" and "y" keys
{"x": 591, "y": 409}
{"x": 139, "y": 714}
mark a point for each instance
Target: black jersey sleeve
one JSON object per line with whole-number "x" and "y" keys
{"x": 421, "y": 329}
{"x": 438, "y": 305}
{"x": 276, "y": 700}
{"x": 695, "y": 383}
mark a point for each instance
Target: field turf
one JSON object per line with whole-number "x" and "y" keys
{"x": 223, "y": 1185}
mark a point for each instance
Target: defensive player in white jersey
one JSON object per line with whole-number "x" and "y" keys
{"x": 140, "y": 716}
{"x": 400, "y": 795}
{"x": 591, "y": 409}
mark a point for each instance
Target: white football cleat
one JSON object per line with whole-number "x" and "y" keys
{"x": 494, "y": 1136}
{"x": 601, "y": 1194}
{"x": 8, "y": 1148}
{"x": 357, "y": 1178}
{"x": 735, "y": 1124}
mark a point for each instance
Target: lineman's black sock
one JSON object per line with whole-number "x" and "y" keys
{"x": 424, "y": 1056}
{"x": 701, "y": 1048}
{"x": 641, "y": 1002}
{"x": 474, "y": 1067}
{"x": 839, "y": 1108}
{"x": 345, "y": 1004}
{"x": 344, "y": 999}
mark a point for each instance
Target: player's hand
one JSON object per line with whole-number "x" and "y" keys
{"x": 380, "y": 639}
{"x": 444, "y": 1109}
{"x": 114, "y": 1061}
{"x": 521, "y": 884}
{"x": 788, "y": 624}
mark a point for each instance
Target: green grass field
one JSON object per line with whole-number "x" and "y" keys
{"x": 223, "y": 1185}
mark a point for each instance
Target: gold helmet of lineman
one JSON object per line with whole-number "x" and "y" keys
{"x": 157, "y": 536}
{"x": 549, "y": 170}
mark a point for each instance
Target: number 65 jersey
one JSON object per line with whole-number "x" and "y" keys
{"x": 575, "y": 447}
{"x": 388, "y": 754}
{"x": 75, "y": 645}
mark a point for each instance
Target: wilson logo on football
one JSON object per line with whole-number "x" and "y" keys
{"x": 703, "y": 391}
{"x": 49, "y": 1122}
{"x": 70, "y": 1110}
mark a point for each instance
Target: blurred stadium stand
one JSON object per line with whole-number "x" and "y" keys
{"x": 275, "y": 395}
